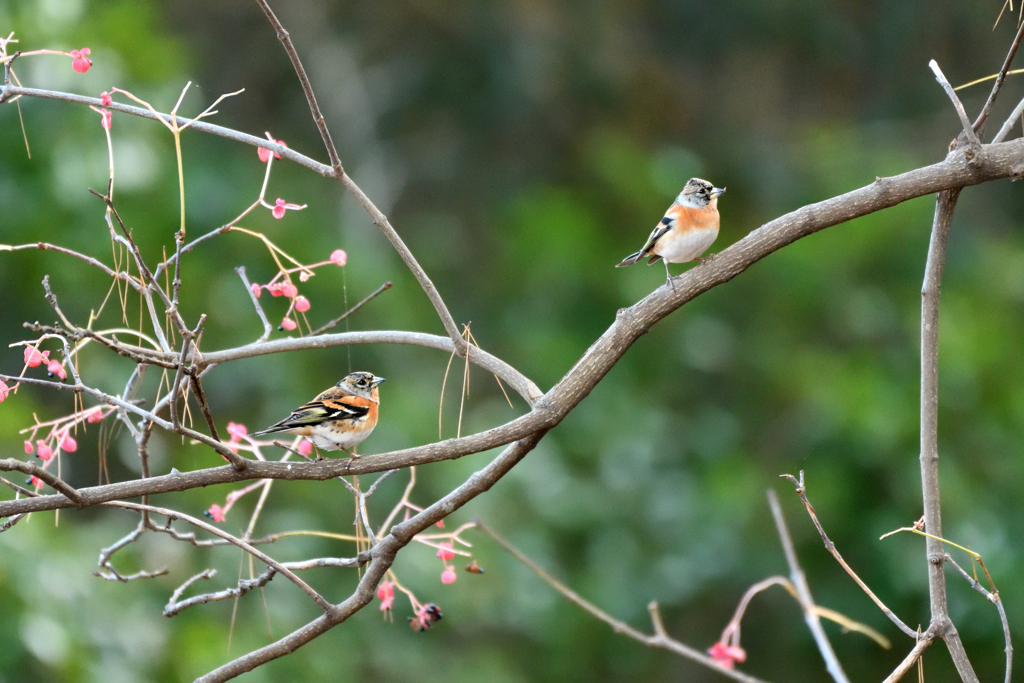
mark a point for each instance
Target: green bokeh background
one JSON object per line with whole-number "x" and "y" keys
{"x": 521, "y": 149}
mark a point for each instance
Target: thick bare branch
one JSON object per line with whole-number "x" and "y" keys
{"x": 930, "y": 293}
{"x": 31, "y": 469}
{"x": 382, "y": 556}
{"x": 1003, "y": 160}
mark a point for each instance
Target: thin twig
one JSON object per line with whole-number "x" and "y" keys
{"x": 987, "y": 109}
{"x": 258, "y": 554}
{"x": 924, "y": 640}
{"x": 323, "y": 328}
{"x": 993, "y": 597}
{"x": 236, "y": 461}
{"x": 803, "y": 591}
{"x": 660, "y": 639}
{"x": 379, "y": 219}
{"x": 831, "y": 547}
{"x": 1012, "y": 119}
{"x": 307, "y": 88}
{"x": 267, "y": 329}
{"x": 972, "y": 137}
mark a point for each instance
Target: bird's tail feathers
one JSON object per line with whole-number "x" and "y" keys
{"x": 272, "y": 430}
{"x": 630, "y": 260}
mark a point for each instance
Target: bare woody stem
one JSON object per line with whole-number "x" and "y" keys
{"x": 660, "y": 639}
{"x": 930, "y": 293}
{"x": 379, "y": 219}
{"x": 831, "y": 547}
{"x": 803, "y": 592}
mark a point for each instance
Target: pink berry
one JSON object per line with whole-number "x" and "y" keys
{"x": 81, "y": 62}
{"x": 36, "y": 482}
{"x": 34, "y": 357}
{"x": 265, "y": 153}
{"x": 105, "y": 99}
{"x": 237, "y": 431}
{"x": 29, "y": 448}
{"x": 44, "y": 452}
{"x": 106, "y": 120}
{"x": 339, "y": 257}
{"x": 448, "y": 575}
{"x": 68, "y": 444}
{"x": 301, "y": 304}
{"x": 216, "y": 513}
{"x": 289, "y": 290}
{"x": 4, "y": 389}
{"x": 727, "y": 655}
{"x": 256, "y": 290}
{"x": 445, "y": 552}
{"x": 289, "y": 324}
{"x": 386, "y": 593}
{"x": 305, "y": 447}
{"x": 279, "y": 207}
{"x": 95, "y": 416}
{"x": 56, "y": 368}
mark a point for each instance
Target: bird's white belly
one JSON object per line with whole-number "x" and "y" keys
{"x": 330, "y": 440}
{"x": 676, "y": 248}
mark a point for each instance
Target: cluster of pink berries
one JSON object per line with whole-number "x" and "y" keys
{"x": 727, "y": 655}
{"x": 287, "y": 289}
{"x": 239, "y": 432}
{"x": 447, "y": 553}
{"x": 35, "y": 358}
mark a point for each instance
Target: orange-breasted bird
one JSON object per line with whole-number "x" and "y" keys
{"x": 689, "y": 227}
{"x": 339, "y": 418}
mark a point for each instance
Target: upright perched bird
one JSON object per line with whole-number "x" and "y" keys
{"x": 339, "y": 418}
{"x": 689, "y": 227}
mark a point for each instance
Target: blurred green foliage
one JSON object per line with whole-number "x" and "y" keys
{"x": 522, "y": 149}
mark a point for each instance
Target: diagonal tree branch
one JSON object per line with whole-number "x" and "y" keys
{"x": 383, "y": 556}
{"x": 379, "y": 219}
{"x": 1004, "y": 160}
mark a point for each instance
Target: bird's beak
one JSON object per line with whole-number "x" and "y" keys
{"x": 717, "y": 192}
{"x": 377, "y": 381}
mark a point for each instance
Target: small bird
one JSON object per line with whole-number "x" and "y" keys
{"x": 339, "y": 418}
{"x": 689, "y": 227}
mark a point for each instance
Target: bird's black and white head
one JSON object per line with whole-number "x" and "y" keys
{"x": 361, "y": 384}
{"x": 699, "y": 193}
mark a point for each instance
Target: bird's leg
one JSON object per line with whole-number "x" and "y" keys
{"x": 704, "y": 259}
{"x": 352, "y": 457}
{"x": 668, "y": 275}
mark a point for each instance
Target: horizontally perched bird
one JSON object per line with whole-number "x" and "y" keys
{"x": 689, "y": 227}
{"x": 339, "y": 418}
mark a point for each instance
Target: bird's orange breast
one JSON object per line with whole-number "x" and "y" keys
{"x": 688, "y": 218}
